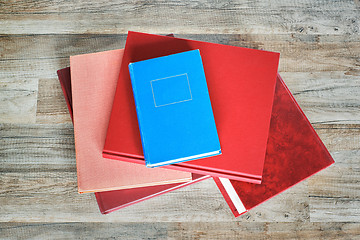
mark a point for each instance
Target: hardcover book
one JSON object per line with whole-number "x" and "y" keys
{"x": 109, "y": 201}
{"x": 241, "y": 85}
{"x": 93, "y": 84}
{"x": 173, "y": 109}
{"x": 64, "y": 78}
{"x": 294, "y": 153}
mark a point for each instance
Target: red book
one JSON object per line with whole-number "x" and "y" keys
{"x": 64, "y": 76}
{"x": 294, "y": 153}
{"x": 241, "y": 84}
{"x": 109, "y": 201}
{"x": 114, "y": 200}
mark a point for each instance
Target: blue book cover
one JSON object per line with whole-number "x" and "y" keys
{"x": 173, "y": 108}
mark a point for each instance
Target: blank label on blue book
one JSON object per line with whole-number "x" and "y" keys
{"x": 173, "y": 107}
{"x": 171, "y": 90}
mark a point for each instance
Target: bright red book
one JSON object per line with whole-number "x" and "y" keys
{"x": 294, "y": 153}
{"x": 241, "y": 84}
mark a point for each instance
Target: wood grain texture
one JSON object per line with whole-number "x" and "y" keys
{"x": 18, "y": 98}
{"x": 226, "y": 230}
{"x": 39, "y": 161}
{"x": 55, "y": 110}
{"x": 299, "y": 53}
{"x": 305, "y": 65}
{"x": 55, "y": 192}
{"x": 334, "y": 195}
{"x": 319, "y": 42}
{"x": 327, "y": 17}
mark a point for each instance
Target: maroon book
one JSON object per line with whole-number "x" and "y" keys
{"x": 294, "y": 153}
{"x": 65, "y": 82}
{"x": 110, "y": 201}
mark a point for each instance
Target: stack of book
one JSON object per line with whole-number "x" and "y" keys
{"x": 167, "y": 112}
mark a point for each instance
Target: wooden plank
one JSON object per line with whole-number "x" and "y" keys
{"x": 52, "y": 197}
{"x": 341, "y": 180}
{"x": 96, "y": 230}
{"x": 320, "y": 94}
{"x": 36, "y": 69}
{"x": 53, "y": 144}
{"x": 38, "y": 170}
{"x": 51, "y": 6}
{"x": 199, "y": 230}
{"x": 51, "y": 105}
{"x": 289, "y": 206}
{"x": 340, "y": 139}
{"x": 37, "y": 147}
{"x": 299, "y": 53}
{"x": 334, "y": 193}
{"x": 39, "y": 161}
{"x": 326, "y": 98}
{"x": 334, "y": 209}
{"x": 43, "y": 147}
{"x": 330, "y": 17}
{"x": 232, "y": 230}
{"x": 18, "y": 100}
{"x": 57, "y": 46}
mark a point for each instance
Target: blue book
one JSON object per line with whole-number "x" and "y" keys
{"x": 173, "y": 109}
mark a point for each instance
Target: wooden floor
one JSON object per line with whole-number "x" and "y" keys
{"x": 319, "y": 42}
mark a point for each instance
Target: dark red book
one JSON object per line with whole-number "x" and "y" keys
{"x": 241, "y": 84}
{"x": 294, "y": 153}
{"x": 65, "y": 82}
{"x": 110, "y": 201}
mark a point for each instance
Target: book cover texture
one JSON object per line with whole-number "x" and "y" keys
{"x": 173, "y": 108}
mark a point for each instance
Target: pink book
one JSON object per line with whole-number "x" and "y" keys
{"x": 94, "y": 77}
{"x": 294, "y": 153}
{"x": 109, "y": 201}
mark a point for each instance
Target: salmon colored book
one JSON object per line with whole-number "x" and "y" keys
{"x": 110, "y": 201}
{"x": 94, "y": 77}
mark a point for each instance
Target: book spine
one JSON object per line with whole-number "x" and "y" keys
{"x": 138, "y": 109}
{"x": 100, "y": 203}
{"x": 62, "y": 79}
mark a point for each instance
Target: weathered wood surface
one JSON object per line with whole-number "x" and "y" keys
{"x": 277, "y": 17}
{"x": 319, "y": 42}
{"x": 182, "y": 230}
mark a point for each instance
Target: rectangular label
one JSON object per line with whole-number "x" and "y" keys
{"x": 171, "y": 90}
